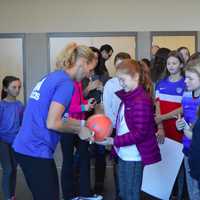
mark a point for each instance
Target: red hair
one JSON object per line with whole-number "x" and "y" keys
{"x": 132, "y": 67}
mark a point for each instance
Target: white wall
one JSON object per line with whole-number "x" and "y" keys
{"x": 174, "y": 42}
{"x": 119, "y": 44}
{"x": 98, "y": 15}
{"x": 11, "y": 60}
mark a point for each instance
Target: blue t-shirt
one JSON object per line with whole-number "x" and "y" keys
{"x": 11, "y": 113}
{"x": 34, "y": 138}
{"x": 190, "y": 107}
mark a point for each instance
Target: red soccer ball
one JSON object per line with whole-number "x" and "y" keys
{"x": 101, "y": 125}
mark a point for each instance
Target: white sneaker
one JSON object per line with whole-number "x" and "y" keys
{"x": 95, "y": 197}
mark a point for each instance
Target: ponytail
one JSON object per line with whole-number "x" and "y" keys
{"x": 145, "y": 79}
{"x": 67, "y": 58}
{"x": 3, "y": 94}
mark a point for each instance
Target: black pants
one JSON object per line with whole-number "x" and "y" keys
{"x": 100, "y": 167}
{"x": 9, "y": 166}
{"x": 41, "y": 176}
{"x": 199, "y": 183}
{"x": 68, "y": 142}
{"x": 180, "y": 188}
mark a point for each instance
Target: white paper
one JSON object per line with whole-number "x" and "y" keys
{"x": 159, "y": 178}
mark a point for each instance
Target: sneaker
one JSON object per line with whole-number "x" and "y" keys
{"x": 94, "y": 197}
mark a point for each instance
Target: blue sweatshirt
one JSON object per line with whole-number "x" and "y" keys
{"x": 11, "y": 114}
{"x": 190, "y": 106}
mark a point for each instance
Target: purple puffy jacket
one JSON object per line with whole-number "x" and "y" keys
{"x": 139, "y": 116}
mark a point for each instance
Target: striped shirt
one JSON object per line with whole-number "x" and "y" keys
{"x": 169, "y": 94}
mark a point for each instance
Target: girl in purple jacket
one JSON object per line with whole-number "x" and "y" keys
{"x": 135, "y": 143}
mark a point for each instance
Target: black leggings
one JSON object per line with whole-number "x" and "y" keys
{"x": 68, "y": 142}
{"x": 41, "y": 176}
{"x": 9, "y": 166}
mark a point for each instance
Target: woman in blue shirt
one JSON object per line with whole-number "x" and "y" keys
{"x": 43, "y": 121}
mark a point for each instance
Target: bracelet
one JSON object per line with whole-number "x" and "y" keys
{"x": 82, "y": 123}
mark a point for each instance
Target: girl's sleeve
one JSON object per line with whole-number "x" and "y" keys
{"x": 84, "y": 101}
{"x": 75, "y": 108}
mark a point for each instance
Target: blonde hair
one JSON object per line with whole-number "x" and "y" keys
{"x": 69, "y": 55}
{"x": 193, "y": 66}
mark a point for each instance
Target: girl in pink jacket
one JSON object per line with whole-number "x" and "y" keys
{"x": 77, "y": 110}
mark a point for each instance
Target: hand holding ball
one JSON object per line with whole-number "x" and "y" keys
{"x": 101, "y": 125}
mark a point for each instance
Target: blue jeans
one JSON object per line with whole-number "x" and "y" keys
{"x": 9, "y": 166}
{"x": 115, "y": 175}
{"x": 130, "y": 179}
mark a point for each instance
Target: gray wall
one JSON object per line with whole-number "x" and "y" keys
{"x": 37, "y": 16}
{"x": 143, "y": 45}
{"x": 36, "y": 59}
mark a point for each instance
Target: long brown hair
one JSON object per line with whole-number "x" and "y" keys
{"x": 159, "y": 64}
{"x": 188, "y": 51}
{"x": 131, "y": 67}
{"x": 177, "y": 55}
